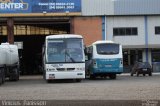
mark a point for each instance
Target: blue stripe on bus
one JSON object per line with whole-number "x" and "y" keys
{"x": 107, "y": 66}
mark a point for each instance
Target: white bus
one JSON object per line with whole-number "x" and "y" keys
{"x": 63, "y": 57}
{"x": 105, "y": 58}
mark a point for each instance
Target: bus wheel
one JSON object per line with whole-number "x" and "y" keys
{"x": 1, "y": 81}
{"x": 112, "y": 76}
{"x": 78, "y": 80}
{"x": 48, "y": 81}
{"x": 92, "y": 77}
{"x": 3, "y": 77}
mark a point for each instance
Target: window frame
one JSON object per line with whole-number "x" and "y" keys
{"x": 122, "y": 31}
{"x": 158, "y": 28}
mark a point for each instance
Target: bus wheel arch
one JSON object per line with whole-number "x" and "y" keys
{"x": 78, "y": 80}
{"x": 112, "y": 76}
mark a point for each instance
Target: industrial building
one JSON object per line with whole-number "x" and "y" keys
{"x": 133, "y": 23}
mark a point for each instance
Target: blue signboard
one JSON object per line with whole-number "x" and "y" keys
{"x": 39, "y": 6}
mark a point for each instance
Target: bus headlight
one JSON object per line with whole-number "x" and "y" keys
{"x": 49, "y": 70}
{"x": 80, "y": 69}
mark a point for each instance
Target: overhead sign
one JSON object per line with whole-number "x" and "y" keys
{"x": 39, "y": 6}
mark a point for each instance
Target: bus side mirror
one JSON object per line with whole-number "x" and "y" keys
{"x": 86, "y": 57}
{"x": 85, "y": 50}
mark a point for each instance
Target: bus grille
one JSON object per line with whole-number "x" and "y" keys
{"x": 65, "y": 69}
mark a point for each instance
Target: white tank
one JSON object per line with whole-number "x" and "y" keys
{"x": 8, "y": 54}
{"x": 2, "y": 56}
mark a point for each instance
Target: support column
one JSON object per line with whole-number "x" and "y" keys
{"x": 10, "y": 30}
{"x": 129, "y": 57}
{"x": 72, "y": 25}
{"x": 104, "y": 28}
{"x": 147, "y": 56}
{"x": 146, "y": 36}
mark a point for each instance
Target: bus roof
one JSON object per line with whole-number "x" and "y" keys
{"x": 63, "y": 36}
{"x": 103, "y": 41}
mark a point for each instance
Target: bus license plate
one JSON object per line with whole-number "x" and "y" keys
{"x": 51, "y": 76}
{"x": 108, "y": 65}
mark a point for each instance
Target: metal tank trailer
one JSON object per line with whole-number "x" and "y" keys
{"x": 9, "y": 62}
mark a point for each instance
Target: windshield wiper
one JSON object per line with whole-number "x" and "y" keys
{"x": 70, "y": 57}
{"x": 111, "y": 52}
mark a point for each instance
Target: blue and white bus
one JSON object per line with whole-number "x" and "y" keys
{"x": 105, "y": 58}
{"x": 63, "y": 57}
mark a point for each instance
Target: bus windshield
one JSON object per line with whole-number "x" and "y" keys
{"x": 65, "y": 50}
{"x": 107, "y": 48}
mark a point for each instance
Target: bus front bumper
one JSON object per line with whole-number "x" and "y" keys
{"x": 107, "y": 71}
{"x": 65, "y": 75}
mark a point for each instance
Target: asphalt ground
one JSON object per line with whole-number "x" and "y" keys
{"x": 125, "y": 90}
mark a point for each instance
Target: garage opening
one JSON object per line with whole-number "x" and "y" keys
{"x": 31, "y": 35}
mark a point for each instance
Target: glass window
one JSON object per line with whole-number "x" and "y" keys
{"x": 128, "y": 31}
{"x": 107, "y": 49}
{"x": 4, "y": 30}
{"x": 55, "y": 51}
{"x": 134, "y": 31}
{"x": 157, "y": 30}
{"x": 125, "y": 31}
{"x": 122, "y": 31}
{"x": 155, "y": 55}
{"x": 115, "y": 31}
{"x": 65, "y": 50}
{"x": 139, "y": 55}
{"x": 74, "y": 50}
{"x": 0, "y": 30}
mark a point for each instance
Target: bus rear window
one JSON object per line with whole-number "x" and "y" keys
{"x": 107, "y": 49}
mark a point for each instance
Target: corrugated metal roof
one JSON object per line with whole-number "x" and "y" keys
{"x": 136, "y": 7}
{"x": 120, "y": 7}
{"x": 97, "y": 7}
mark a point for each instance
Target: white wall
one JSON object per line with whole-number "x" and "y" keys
{"x": 96, "y": 7}
{"x": 126, "y": 21}
{"x": 152, "y": 38}
{"x": 120, "y": 7}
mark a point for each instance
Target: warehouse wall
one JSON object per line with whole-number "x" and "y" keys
{"x": 126, "y": 21}
{"x": 120, "y": 7}
{"x": 152, "y": 37}
{"x": 89, "y": 27}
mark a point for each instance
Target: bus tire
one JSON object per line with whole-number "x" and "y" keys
{"x": 15, "y": 76}
{"x": 3, "y": 77}
{"x": 112, "y": 76}
{"x": 92, "y": 76}
{"x": 0, "y": 80}
{"x": 48, "y": 81}
{"x": 78, "y": 80}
